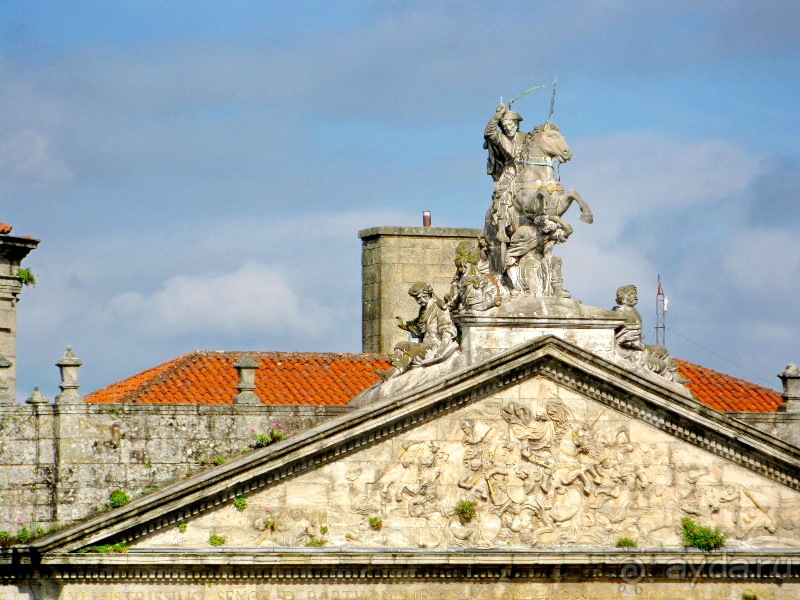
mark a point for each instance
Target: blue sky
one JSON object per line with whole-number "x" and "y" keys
{"x": 198, "y": 171}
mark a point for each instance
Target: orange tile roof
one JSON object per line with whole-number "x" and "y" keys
{"x": 727, "y": 393}
{"x": 312, "y": 378}
{"x": 5, "y": 228}
{"x": 202, "y": 377}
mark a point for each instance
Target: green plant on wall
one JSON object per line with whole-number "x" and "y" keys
{"x": 216, "y": 540}
{"x": 26, "y": 277}
{"x": 240, "y": 503}
{"x": 316, "y": 542}
{"x": 704, "y": 538}
{"x": 465, "y": 511}
{"x": 119, "y": 498}
{"x": 626, "y": 542}
{"x": 375, "y": 523}
{"x": 265, "y": 439}
{"x": 105, "y": 549}
{"x": 24, "y": 535}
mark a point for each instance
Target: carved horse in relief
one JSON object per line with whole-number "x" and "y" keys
{"x": 537, "y": 189}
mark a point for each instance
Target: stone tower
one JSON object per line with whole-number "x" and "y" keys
{"x": 12, "y": 250}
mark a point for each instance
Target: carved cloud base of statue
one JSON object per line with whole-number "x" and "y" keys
{"x": 411, "y": 379}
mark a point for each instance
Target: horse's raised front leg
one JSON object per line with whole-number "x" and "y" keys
{"x": 586, "y": 212}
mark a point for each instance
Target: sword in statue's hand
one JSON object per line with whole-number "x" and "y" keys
{"x": 523, "y": 94}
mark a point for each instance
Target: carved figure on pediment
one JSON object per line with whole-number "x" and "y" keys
{"x": 756, "y": 515}
{"x": 479, "y": 466}
{"x": 473, "y": 287}
{"x": 413, "y": 477}
{"x": 698, "y": 500}
{"x": 526, "y": 187}
{"x": 538, "y": 431}
{"x": 434, "y": 329}
{"x": 630, "y": 344}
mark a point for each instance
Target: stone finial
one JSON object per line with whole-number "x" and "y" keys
{"x": 246, "y": 367}
{"x": 37, "y": 397}
{"x": 790, "y": 377}
{"x": 5, "y": 395}
{"x": 69, "y": 365}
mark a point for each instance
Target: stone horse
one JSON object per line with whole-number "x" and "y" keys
{"x": 537, "y": 190}
{"x": 536, "y": 193}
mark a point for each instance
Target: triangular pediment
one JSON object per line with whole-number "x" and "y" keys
{"x": 551, "y": 444}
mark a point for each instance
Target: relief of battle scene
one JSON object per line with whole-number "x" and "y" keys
{"x": 545, "y": 468}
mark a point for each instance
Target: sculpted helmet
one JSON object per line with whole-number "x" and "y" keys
{"x": 510, "y": 115}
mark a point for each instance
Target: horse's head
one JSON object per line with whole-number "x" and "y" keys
{"x": 550, "y": 142}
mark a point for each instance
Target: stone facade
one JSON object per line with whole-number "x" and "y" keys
{"x": 540, "y": 465}
{"x": 392, "y": 259}
{"x": 560, "y": 451}
{"x": 59, "y": 464}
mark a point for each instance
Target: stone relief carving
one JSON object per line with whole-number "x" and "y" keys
{"x": 541, "y": 470}
{"x": 525, "y": 221}
{"x": 630, "y": 344}
{"x": 540, "y": 476}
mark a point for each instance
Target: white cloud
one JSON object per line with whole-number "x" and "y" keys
{"x": 764, "y": 262}
{"x": 255, "y": 299}
{"x": 30, "y": 156}
{"x": 625, "y": 175}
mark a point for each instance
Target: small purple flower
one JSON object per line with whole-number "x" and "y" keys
{"x": 20, "y": 519}
{"x": 253, "y": 429}
{"x": 267, "y": 510}
{"x": 273, "y": 424}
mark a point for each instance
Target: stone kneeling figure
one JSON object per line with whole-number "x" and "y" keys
{"x": 629, "y": 339}
{"x": 434, "y": 329}
{"x": 472, "y": 288}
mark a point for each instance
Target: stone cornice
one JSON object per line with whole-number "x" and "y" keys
{"x": 447, "y": 232}
{"x": 550, "y": 357}
{"x": 14, "y": 248}
{"x": 576, "y": 322}
{"x": 342, "y": 565}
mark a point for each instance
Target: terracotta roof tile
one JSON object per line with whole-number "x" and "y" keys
{"x": 307, "y": 378}
{"x": 5, "y": 228}
{"x": 298, "y": 378}
{"x": 726, "y": 393}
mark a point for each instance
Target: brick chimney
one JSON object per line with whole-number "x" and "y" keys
{"x": 12, "y": 251}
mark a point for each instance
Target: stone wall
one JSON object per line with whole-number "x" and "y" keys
{"x": 392, "y": 259}
{"x": 59, "y": 464}
{"x": 783, "y": 425}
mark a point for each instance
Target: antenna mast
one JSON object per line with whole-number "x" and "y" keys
{"x": 661, "y": 315}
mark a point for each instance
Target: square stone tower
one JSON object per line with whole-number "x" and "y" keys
{"x": 12, "y": 251}
{"x": 392, "y": 259}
